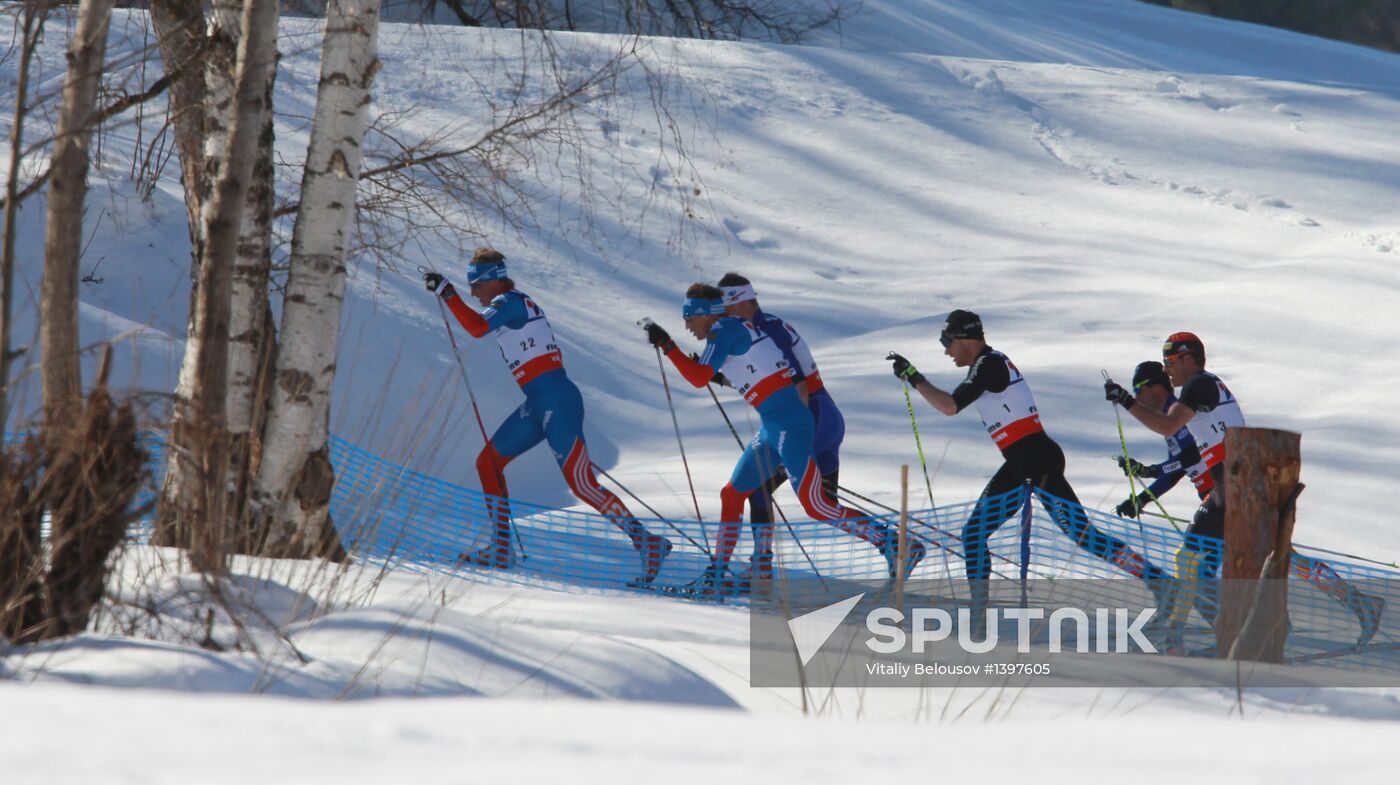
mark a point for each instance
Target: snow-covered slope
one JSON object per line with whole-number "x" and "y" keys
{"x": 1089, "y": 176}
{"x": 1085, "y": 210}
{"x": 1110, "y": 34}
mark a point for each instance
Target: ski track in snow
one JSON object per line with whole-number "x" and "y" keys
{"x": 1111, "y": 170}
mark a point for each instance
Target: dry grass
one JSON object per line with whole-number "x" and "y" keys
{"x": 83, "y": 478}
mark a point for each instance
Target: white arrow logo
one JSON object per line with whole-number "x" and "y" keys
{"x": 811, "y": 630}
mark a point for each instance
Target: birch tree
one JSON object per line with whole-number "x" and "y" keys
{"x": 249, "y": 331}
{"x": 63, "y": 228}
{"x": 180, "y": 34}
{"x": 291, "y": 494}
{"x": 201, "y": 156}
{"x": 203, "y": 418}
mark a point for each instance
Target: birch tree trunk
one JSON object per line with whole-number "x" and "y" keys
{"x": 250, "y": 332}
{"x": 221, "y": 221}
{"x": 205, "y": 157}
{"x": 63, "y": 229}
{"x": 252, "y": 338}
{"x": 180, "y": 34}
{"x": 200, "y": 147}
{"x": 293, "y": 486}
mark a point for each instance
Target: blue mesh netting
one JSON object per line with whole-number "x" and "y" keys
{"x": 386, "y": 512}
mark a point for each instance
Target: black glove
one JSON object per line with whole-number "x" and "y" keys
{"x": 659, "y": 338}
{"x": 1134, "y": 468}
{"x": 1114, "y": 392}
{"x": 438, "y": 285}
{"x": 904, "y": 370}
{"x": 1130, "y": 507}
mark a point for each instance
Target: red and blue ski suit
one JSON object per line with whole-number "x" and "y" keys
{"x": 552, "y": 411}
{"x": 757, "y": 369}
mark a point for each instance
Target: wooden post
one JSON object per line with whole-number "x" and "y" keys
{"x": 903, "y": 549}
{"x": 1262, "y": 467}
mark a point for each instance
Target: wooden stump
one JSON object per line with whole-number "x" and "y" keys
{"x": 1262, "y": 467}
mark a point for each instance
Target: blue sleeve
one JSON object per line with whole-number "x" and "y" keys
{"x": 1166, "y": 480}
{"x": 782, "y": 337}
{"x": 1171, "y": 472}
{"x": 506, "y": 311}
{"x": 727, "y": 338}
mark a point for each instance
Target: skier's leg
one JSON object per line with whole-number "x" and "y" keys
{"x": 514, "y": 436}
{"x": 1198, "y": 561}
{"x": 1070, "y": 517}
{"x": 830, "y": 431}
{"x": 990, "y": 512}
{"x": 744, "y": 481}
{"x": 1320, "y": 574}
{"x": 994, "y": 507}
{"x": 794, "y": 437}
{"x": 761, "y": 518}
{"x": 562, "y": 418}
{"x": 1368, "y": 607}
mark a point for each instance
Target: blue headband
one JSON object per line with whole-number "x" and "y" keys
{"x": 485, "y": 271}
{"x": 702, "y": 306}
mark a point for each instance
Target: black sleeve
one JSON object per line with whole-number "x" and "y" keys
{"x": 988, "y": 374}
{"x": 1200, "y": 394}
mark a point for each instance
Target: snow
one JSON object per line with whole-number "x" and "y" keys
{"x": 1089, "y": 175}
{"x": 398, "y": 740}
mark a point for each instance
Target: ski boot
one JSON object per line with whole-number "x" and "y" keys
{"x": 496, "y": 556}
{"x": 914, "y": 553}
{"x": 653, "y": 549}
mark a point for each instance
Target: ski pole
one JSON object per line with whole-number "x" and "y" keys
{"x": 1390, "y": 564}
{"x": 771, "y": 500}
{"x": 676, "y": 425}
{"x": 650, "y": 509}
{"x": 930, "y": 526}
{"x": 481, "y": 425}
{"x": 913, "y": 422}
{"x": 1128, "y": 469}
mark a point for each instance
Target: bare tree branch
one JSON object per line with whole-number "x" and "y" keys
{"x": 104, "y": 114}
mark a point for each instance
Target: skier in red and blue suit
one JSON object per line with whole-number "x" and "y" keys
{"x": 829, "y": 426}
{"x": 756, "y": 368}
{"x": 552, "y": 411}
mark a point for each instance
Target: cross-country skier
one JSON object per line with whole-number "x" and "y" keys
{"x": 1153, "y": 390}
{"x": 552, "y": 411}
{"x": 756, "y": 368}
{"x": 829, "y": 427}
{"x": 1004, "y": 401}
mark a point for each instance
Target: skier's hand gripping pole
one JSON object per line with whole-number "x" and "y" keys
{"x": 906, "y": 373}
{"x": 652, "y": 328}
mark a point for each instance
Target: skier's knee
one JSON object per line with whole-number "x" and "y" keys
{"x": 731, "y": 501}
{"x": 490, "y": 467}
